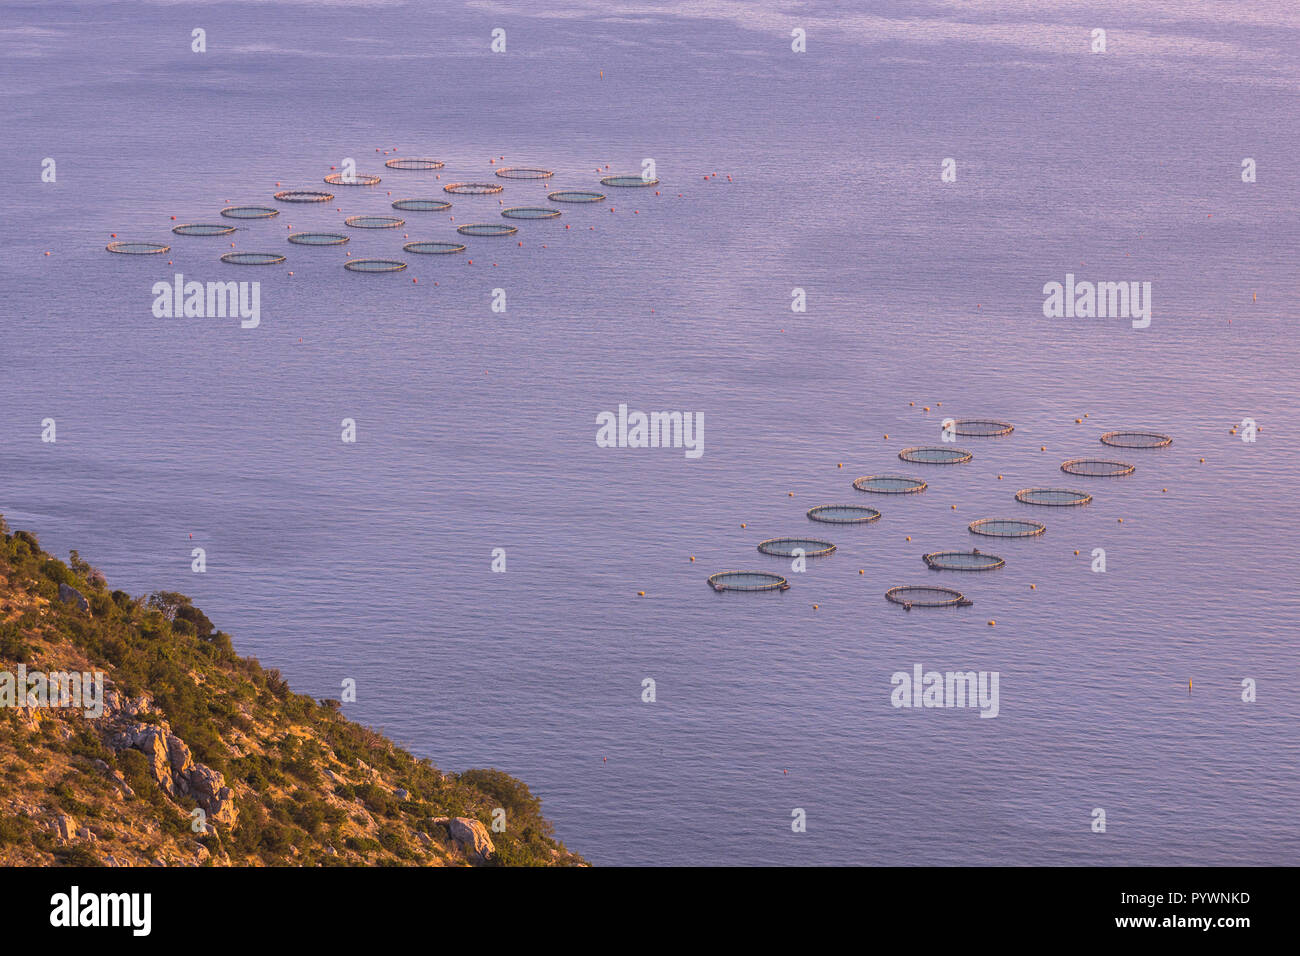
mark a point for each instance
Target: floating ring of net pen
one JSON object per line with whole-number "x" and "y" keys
{"x": 843, "y": 514}
{"x": 202, "y": 229}
{"x": 628, "y": 181}
{"x": 373, "y": 222}
{"x": 747, "y": 581}
{"x": 524, "y": 172}
{"x": 575, "y": 195}
{"x": 1097, "y": 467}
{"x": 1053, "y": 497}
{"x": 1136, "y": 439}
{"x": 253, "y": 258}
{"x": 487, "y": 229}
{"x": 249, "y": 212}
{"x": 786, "y": 547}
{"x": 472, "y": 189}
{"x": 137, "y": 248}
{"x": 911, "y": 596}
{"x": 303, "y": 195}
{"x": 530, "y": 212}
{"x": 318, "y": 238}
{"x": 374, "y": 265}
{"x": 979, "y": 427}
{"x": 1007, "y": 528}
{"x": 421, "y": 205}
{"x": 935, "y": 455}
{"x": 962, "y": 561}
{"x": 430, "y": 248}
{"x": 357, "y": 179}
{"x": 411, "y": 162}
{"x": 890, "y": 484}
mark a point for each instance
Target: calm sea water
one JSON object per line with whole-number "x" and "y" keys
{"x": 476, "y": 429}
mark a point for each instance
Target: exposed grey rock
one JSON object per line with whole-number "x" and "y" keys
{"x": 70, "y": 595}
{"x": 471, "y": 836}
{"x": 65, "y": 825}
{"x": 401, "y": 794}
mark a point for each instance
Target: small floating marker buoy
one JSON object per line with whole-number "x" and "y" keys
{"x": 790, "y": 493}
{"x": 1042, "y": 448}
{"x": 1202, "y": 461}
{"x": 692, "y": 557}
{"x": 840, "y": 465}
{"x": 1252, "y": 297}
{"x": 1120, "y": 520}
{"x": 909, "y": 537}
{"x": 413, "y": 280}
{"x": 886, "y": 436}
{"x": 1033, "y": 587}
{"x": 113, "y": 235}
{"x": 939, "y": 404}
{"x": 1078, "y": 421}
{"x": 860, "y": 571}
{"x": 1076, "y": 551}
{"x": 1164, "y": 491}
{"x": 1085, "y": 414}
{"x": 954, "y": 507}
{"x": 993, "y": 623}
{"x": 638, "y": 593}
{"x": 48, "y": 254}
{"x": 742, "y": 524}
{"x": 927, "y": 408}
{"x": 291, "y": 273}
{"x": 999, "y": 477}
{"x": 815, "y": 606}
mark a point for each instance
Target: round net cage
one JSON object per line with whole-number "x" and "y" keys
{"x": 137, "y": 248}
{"x": 975, "y": 560}
{"x": 431, "y": 248}
{"x": 357, "y": 179}
{"x": 843, "y": 514}
{"x": 303, "y": 195}
{"x": 202, "y": 229}
{"x": 889, "y": 484}
{"x": 524, "y": 172}
{"x": 472, "y": 189}
{"x": 575, "y": 195}
{"x": 373, "y": 222}
{"x": 911, "y": 596}
{"x": 1097, "y": 467}
{"x": 318, "y": 238}
{"x": 249, "y": 212}
{"x": 530, "y": 212}
{"x": 253, "y": 258}
{"x": 980, "y": 427}
{"x": 487, "y": 229}
{"x": 421, "y": 205}
{"x": 627, "y": 181}
{"x": 1007, "y": 528}
{"x": 786, "y": 547}
{"x": 935, "y": 455}
{"x": 1054, "y": 497}
{"x": 411, "y": 162}
{"x": 747, "y": 581}
{"x": 374, "y": 265}
{"x": 1136, "y": 439}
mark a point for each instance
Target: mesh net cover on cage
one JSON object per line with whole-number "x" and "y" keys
{"x": 421, "y": 205}
{"x": 530, "y": 212}
{"x": 356, "y": 179}
{"x": 253, "y": 258}
{"x": 411, "y": 162}
{"x": 374, "y": 265}
{"x": 978, "y": 427}
{"x": 524, "y": 172}
{"x": 487, "y": 229}
{"x": 373, "y": 222}
{"x": 628, "y": 181}
{"x": 249, "y": 212}
{"x": 318, "y": 238}
{"x": 202, "y": 229}
{"x": 1097, "y": 467}
{"x": 747, "y": 581}
{"x": 935, "y": 455}
{"x": 975, "y": 560}
{"x": 1136, "y": 439}
{"x": 125, "y": 248}
{"x": 890, "y": 484}
{"x": 843, "y": 514}
{"x": 303, "y": 195}
{"x": 1053, "y": 497}
{"x": 1007, "y": 527}
{"x": 911, "y": 596}
{"x": 575, "y": 195}
{"x": 473, "y": 189}
{"x": 787, "y": 547}
{"x": 433, "y": 248}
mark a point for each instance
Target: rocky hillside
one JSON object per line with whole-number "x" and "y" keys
{"x": 203, "y": 757}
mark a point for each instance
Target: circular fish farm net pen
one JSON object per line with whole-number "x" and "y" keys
{"x": 137, "y": 248}
{"x": 318, "y": 238}
{"x": 1007, "y": 528}
{"x": 421, "y": 205}
{"x": 627, "y": 181}
{"x": 747, "y": 581}
{"x": 472, "y": 189}
{"x": 962, "y": 561}
{"x": 303, "y": 195}
{"x": 202, "y": 229}
{"x": 1054, "y": 497}
{"x": 374, "y": 265}
{"x": 432, "y": 248}
{"x": 911, "y": 596}
{"x": 1097, "y": 467}
{"x": 253, "y": 258}
{"x": 786, "y": 547}
{"x": 530, "y": 212}
{"x": 358, "y": 179}
{"x": 249, "y": 212}
{"x": 373, "y": 222}
{"x": 411, "y": 162}
{"x": 487, "y": 229}
{"x": 889, "y": 484}
{"x": 843, "y": 514}
{"x": 981, "y": 427}
{"x": 1136, "y": 439}
{"x": 524, "y": 172}
{"x": 575, "y": 195}
{"x": 935, "y": 455}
